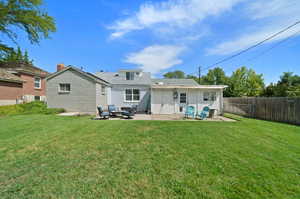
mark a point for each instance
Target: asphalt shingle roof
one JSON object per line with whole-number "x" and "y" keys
{"x": 175, "y": 82}
{"x": 120, "y": 78}
{"x": 7, "y": 76}
{"x": 23, "y": 67}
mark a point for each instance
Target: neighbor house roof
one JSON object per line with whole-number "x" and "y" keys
{"x": 8, "y": 77}
{"x": 89, "y": 75}
{"x": 120, "y": 77}
{"x": 23, "y": 67}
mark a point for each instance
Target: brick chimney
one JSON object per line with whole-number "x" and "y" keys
{"x": 60, "y": 67}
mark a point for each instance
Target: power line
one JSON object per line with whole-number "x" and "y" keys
{"x": 254, "y": 46}
{"x": 274, "y": 46}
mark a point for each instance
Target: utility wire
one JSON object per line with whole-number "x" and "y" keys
{"x": 274, "y": 46}
{"x": 251, "y": 47}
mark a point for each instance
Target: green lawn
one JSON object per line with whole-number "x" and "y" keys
{"x": 46, "y": 156}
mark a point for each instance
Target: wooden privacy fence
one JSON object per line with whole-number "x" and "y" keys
{"x": 280, "y": 109}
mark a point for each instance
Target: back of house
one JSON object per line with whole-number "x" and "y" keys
{"x": 78, "y": 91}
{"x": 128, "y": 88}
{"x": 75, "y": 90}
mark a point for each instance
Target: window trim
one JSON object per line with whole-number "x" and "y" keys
{"x": 40, "y": 83}
{"x": 61, "y": 91}
{"x": 132, "y": 95}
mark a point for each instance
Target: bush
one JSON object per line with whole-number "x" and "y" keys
{"x": 28, "y": 108}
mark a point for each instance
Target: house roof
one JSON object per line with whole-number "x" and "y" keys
{"x": 119, "y": 78}
{"x": 89, "y": 75}
{"x": 182, "y": 83}
{"x": 189, "y": 87}
{"x": 8, "y": 77}
{"x": 22, "y": 67}
{"x": 174, "y": 82}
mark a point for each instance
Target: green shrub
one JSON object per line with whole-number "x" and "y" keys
{"x": 36, "y": 107}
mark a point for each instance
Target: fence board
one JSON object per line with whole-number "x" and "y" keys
{"x": 280, "y": 109}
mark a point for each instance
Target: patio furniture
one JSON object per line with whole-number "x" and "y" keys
{"x": 190, "y": 112}
{"x": 212, "y": 113}
{"x": 128, "y": 114}
{"x": 113, "y": 111}
{"x": 102, "y": 114}
{"x": 204, "y": 113}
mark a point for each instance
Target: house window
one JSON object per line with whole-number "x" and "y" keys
{"x": 182, "y": 98}
{"x": 213, "y": 96}
{"x": 129, "y": 75}
{"x": 103, "y": 90}
{"x": 132, "y": 95}
{"x": 64, "y": 88}
{"x": 37, "y": 82}
{"x": 206, "y": 96}
{"x": 209, "y": 96}
{"x": 37, "y": 98}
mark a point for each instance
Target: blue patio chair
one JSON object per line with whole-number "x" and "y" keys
{"x": 112, "y": 110}
{"x": 204, "y": 113}
{"x": 190, "y": 112}
{"x": 102, "y": 114}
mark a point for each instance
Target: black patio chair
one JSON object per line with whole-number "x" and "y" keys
{"x": 128, "y": 113}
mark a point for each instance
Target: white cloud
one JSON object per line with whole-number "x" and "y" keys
{"x": 248, "y": 40}
{"x": 273, "y": 8}
{"x": 173, "y": 13}
{"x": 156, "y": 58}
{"x": 277, "y": 14}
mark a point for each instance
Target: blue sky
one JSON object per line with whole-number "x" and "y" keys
{"x": 166, "y": 35}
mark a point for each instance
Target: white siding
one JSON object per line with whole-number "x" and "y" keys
{"x": 162, "y": 101}
{"x": 118, "y": 96}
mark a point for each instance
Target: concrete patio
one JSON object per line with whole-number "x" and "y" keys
{"x": 173, "y": 117}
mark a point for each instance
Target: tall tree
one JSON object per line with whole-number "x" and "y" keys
{"x": 15, "y": 56}
{"x": 178, "y": 74}
{"x": 27, "y": 16}
{"x": 255, "y": 83}
{"x": 245, "y": 82}
{"x": 215, "y": 76}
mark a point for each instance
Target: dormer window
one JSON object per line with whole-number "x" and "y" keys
{"x": 129, "y": 75}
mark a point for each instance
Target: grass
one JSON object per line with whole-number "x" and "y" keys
{"x": 36, "y": 107}
{"x": 46, "y": 156}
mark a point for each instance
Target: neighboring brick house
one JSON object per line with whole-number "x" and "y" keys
{"x": 21, "y": 82}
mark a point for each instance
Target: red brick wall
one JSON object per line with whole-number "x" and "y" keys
{"x": 10, "y": 91}
{"x": 28, "y": 86}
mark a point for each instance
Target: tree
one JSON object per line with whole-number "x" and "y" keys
{"x": 245, "y": 82}
{"x": 27, "y": 16}
{"x": 15, "y": 56}
{"x": 215, "y": 76}
{"x": 178, "y": 74}
{"x": 255, "y": 83}
{"x": 287, "y": 86}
